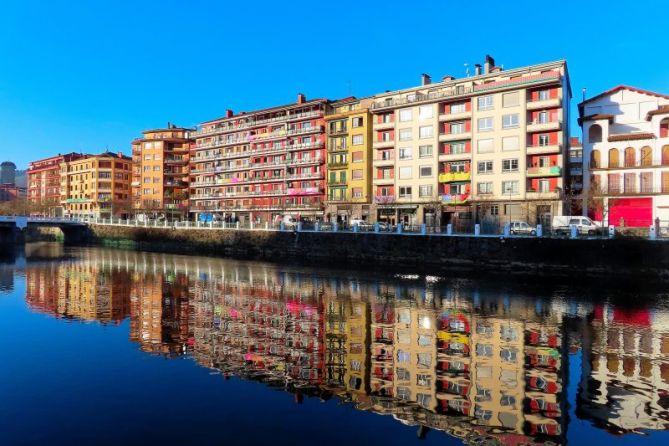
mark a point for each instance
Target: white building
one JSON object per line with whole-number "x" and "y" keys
{"x": 626, "y": 148}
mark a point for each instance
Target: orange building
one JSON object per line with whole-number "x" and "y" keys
{"x": 160, "y": 175}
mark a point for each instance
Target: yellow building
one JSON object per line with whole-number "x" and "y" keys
{"x": 160, "y": 176}
{"x": 349, "y": 164}
{"x": 96, "y": 185}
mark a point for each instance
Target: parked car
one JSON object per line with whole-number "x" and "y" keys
{"x": 362, "y": 224}
{"x": 289, "y": 221}
{"x": 584, "y": 225}
{"x": 521, "y": 227}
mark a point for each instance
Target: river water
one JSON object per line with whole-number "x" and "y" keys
{"x": 117, "y": 347}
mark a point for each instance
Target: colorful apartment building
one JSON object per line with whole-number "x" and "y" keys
{"x": 44, "y": 181}
{"x": 258, "y": 166}
{"x": 487, "y": 147}
{"x": 349, "y": 165}
{"x": 96, "y": 185}
{"x": 160, "y": 175}
{"x": 626, "y": 143}
{"x": 575, "y": 174}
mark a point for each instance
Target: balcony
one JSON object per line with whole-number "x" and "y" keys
{"x": 390, "y": 179}
{"x": 576, "y": 171}
{"x": 455, "y": 199}
{"x": 443, "y": 137}
{"x": 453, "y": 156}
{"x": 305, "y": 145}
{"x": 303, "y": 191}
{"x": 337, "y": 182}
{"x": 338, "y": 165}
{"x": 546, "y": 103}
{"x": 576, "y": 159}
{"x": 135, "y": 184}
{"x": 632, "y": 189}
{"x": 542, "y": 149}
{"x": 176, "y": 160}
{"x": 337, "y": 132}
{"x": 383, "y": 125}
{"x": 341, "y": 148}
{"x": 384, "y": 161}
{"x": 444, "y": 117}
{"x": 451, "y": 177}
{"x": 304, "y": 130}
{"x": 532, "y": 194}
{"x": 538, "y": 126}
{"x": 554, "y": 171}
{"x": 421, "y": 97}
{"x": 383, "y": 144}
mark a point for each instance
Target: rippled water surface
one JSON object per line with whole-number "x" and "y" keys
{"x": 116, "y": 347}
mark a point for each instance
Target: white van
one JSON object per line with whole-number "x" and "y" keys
{"x": 584, "y": 226}
{"x": 289, "y": 221}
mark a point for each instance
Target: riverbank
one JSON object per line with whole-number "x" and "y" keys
{"x": 583, "y": 259}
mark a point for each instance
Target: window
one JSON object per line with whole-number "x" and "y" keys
{"x": 542, "y": 117}
{"x": 484, "y": 188}
{"x": 494, "y": 209}
{"x": 484, "y": 167}
{"x": 406, "y": 115}
{"x": 405, "y": 173}
{"x": 423, "y": 399}
{"x": 357, "y": 192}
{"x": 457, "y": 127}
{"x": 484, "y": 146}
{"x": 457, "y": 148}
{"x": 405, "y": 153}
{"x": 510, "y": 165}
{"x": 510, "y": 121}
{"x": 357, "y": 157}
{"x": 510, "y": 187}
{"x": 425, "y": 132}
{"x": 544, "y": 140}
{"x": 595, "y": 133}
{"x": 425, "y": 191}
{"x": 544, "y": 95}
{"x": 458, "y": 108}
{"x": 356, "y": 174}
{"x": 425, "y": 151}
{"x": 423, "y": 380}
{"x": 403, "y": 374}
{"x": 508, "y": 355}
{"x": 405, "y": 192}
{"x": 485, "y": 124}
{"x": 425, "y": 171}
{"x": 425, "y": 112}
{"x": 405, "y": 135}
{"x": 510, "y": 143}
{"x": 510, "y": 99}
{"x": 357, "y": 122}
{"x": 357, "y": 140}
{"x": 459, "y": 166}
{"x": 484, "y": 350}
{"x": 485, "y": 103}
{"x": 424, "y": 360}
{"x": 544, "y": 186}
{"x": 403, "y": 393}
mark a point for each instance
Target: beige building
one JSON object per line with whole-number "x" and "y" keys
{"x": 96, "y": 185}
{"x": 489, "y": 147}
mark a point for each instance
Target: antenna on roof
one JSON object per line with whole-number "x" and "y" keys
{"x": 466, "y": 69}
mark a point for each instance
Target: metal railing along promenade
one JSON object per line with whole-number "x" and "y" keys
{"x": 468, "y": 230}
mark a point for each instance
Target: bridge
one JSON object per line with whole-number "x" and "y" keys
{"x": 12, "y": 227}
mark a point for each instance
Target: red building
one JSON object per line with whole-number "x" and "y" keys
{"x": 261, "y": 165}
{"x": 44, "y": 179}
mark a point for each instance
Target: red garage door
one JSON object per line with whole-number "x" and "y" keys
{"x": 636, "y": 212}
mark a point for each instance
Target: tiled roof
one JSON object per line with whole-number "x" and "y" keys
{"x": 630, "y": 137}
{"x": 623, "y": 87}
{"x": 661, "y": 110}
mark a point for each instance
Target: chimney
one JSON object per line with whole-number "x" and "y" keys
{"x": 489, "y": 63}
{"x": 119, "y": 154}
{"x": 448, "y": 77}
{"x": 228, "y": 113}
{"x": 477, "y": 69}
{"x": 425, "y": 79}
{"x": 169, "y": 125}
{"x": 301, "y": 98}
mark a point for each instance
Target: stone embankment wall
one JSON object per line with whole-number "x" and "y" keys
{"x": 634, "y": 259}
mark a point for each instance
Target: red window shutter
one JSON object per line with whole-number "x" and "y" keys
{"x": 468, "y": 147}
{"x": 468, "y": 126}
{"x": 553, "y": 138}
{"x": 554, "y": 93}
{"x": 468, "y": 106}
{"x": 535, "y": 95}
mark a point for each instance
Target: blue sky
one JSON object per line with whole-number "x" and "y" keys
{"x": 87, "y": 76}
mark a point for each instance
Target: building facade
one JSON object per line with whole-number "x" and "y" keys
{"x": 44, "y": 182}
{"x": 7, "y": 172}
{"x": 626, "y": 145}
{"x": 485, "y": 147}
{"x": 349, "y": 164}
{"x": 160, "y": 175}
{"x": 96, "y": 185}
{"x": 261, "y": 165}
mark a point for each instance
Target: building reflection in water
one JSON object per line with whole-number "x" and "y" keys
{"x": 479, "y": 367}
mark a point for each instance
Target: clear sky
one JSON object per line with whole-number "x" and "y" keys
{"x": 90, "y": 75}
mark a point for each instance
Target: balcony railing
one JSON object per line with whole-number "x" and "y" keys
{"x": 421, "y": 97}
{"x": 632, "y": 190}
{"x": 454, "y": 199}
{"x": 338, "y": 165}
{"x": 450, "y": 177}
{"x": 544, "y": 171}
